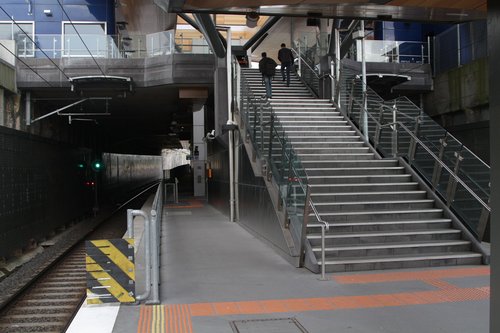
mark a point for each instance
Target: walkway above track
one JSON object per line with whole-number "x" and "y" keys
{"x": 216, "y": 275}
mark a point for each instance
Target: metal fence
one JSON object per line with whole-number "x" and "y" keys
{"x": 460, "y": 45}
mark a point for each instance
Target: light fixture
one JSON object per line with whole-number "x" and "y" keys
{"x": 47, "y": 12}
{"x": 252, "y": 19}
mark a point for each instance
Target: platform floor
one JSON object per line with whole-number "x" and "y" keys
{"x": 218, "y": 278}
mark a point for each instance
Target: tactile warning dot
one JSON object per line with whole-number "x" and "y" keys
{"x": 272, "y": 325}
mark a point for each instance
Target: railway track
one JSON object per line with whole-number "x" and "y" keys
{"x": 49, "y": 298}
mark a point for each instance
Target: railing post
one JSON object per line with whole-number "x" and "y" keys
{"x": 362, "y": 114}
{"x": 436, "y": 173}
{"x": 323, "y": 257}
{"x": 351, "y": 99}
{"x": 271, "y": 127}
{"x": 429, "y": 50}
{"x": 394, "y": 131}
{"x": 300, "y": 61}
{"x": 413, "y": 143}
{"x": 254, "y": 107}
{"x": 452, "y": 182}
{"x": 376, "y": 139}
{"x": 484, "y": 222}
{"x": 304, "y": 228}
{"x": 147, "y": 246}
{"x": 261, "y": 125}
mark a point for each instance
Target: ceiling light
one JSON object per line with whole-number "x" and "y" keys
{"x": 252, "y": 19}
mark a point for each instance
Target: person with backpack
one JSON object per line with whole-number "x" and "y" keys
{"x": 285, "y": 56}
{"x": 267, "y": 67}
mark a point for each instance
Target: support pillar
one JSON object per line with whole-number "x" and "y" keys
{"x": 2, "y": 107}
{"x": 199, "y": 150}
{"x": 494, "y": 72}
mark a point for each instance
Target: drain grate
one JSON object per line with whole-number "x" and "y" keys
{"x": 272, "y": 325}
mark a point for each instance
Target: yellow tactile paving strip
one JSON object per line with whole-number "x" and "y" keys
{"x": 177, "y": 318}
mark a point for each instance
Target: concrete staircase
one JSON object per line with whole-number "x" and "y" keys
{"x": 380, "y": 217}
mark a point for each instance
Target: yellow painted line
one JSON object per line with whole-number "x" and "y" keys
{"x": 116, "y": 256}
{"x": 170, "y": 318}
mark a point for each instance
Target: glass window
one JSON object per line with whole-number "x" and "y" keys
{"x": 82, "y": 38}
{"x": 22, "y": 33}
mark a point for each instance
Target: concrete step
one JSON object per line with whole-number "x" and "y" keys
{"x": 335, "y": 157}
{"x": 376, "y": 237}
{"x": 352, "y": 171}
{"x": 368, "y": 196}
{"x": 402, "y": 261}
{"x": 331, "y": 150}
{"x": 332, "y": 144}
{"x": 369, "y": 226}
{"x": 378, "y": 206}
{"x": 348, "y": 164}
{"x": 396, "y": 248}
{"x": 375, "y": 215}
{"x": 359, "y": 179}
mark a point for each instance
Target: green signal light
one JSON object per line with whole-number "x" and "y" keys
{"x": 97, "y": 165}
{"x": 80, "y": 165}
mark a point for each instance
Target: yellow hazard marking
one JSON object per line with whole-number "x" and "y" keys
{"x": 108, "y": 281}
{"x": 93, "y": 299}
{"x": 116, "y": 256}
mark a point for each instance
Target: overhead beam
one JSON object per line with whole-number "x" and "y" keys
{"x": 207, "y": 28}
{"x": 263, "y": 30}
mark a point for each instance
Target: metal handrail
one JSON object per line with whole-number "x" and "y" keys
{"x": 152, "y": 237}
{"x": 458, "y": 179}
{"x": 423, "y": 117}
{"x": 453, "y": 181}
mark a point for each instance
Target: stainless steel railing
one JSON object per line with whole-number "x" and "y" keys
{"x": 152, "y": 236}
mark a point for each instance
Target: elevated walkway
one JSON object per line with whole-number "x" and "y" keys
{"x": 217, "y": 278}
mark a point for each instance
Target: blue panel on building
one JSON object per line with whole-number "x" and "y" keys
{"x": 47, "y": 13}
{"x": 86, "y": 13}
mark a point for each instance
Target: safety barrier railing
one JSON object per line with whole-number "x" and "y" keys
{"x": 401, "y": 136}
{"x": 107, "y": 46}
{"x": 307, "y": 72}
{"x": 151, "y": 237}
{"x": 271, "y": 144}
{"x": 475, "y": 172}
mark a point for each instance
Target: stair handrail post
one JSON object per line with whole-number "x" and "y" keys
{"x": 484, "y": 221}
{"x": 333, "y": 84}
{"x": 305, "y": 221}
{"x": 363, "y": 116}
{"x": 337, "y": 84}
{"x": 351, "y": 98}
{"x": 271, "y": 131}
{"x": 261, "y": 123}
{"x": 300, "y": 60}
{"x": 412, "y": 149}
{"x": 394, "y": 131}
{"x": 436, "y": 173}
{"x": 378, "y": 125}
{"x": 323, "y": 256}
{"x": 452, "y": 182}
{"x": 255, "y": 108}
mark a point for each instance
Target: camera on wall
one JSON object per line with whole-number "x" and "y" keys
{"x": 211, "y": 135}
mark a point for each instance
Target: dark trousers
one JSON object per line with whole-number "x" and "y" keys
{"x": 285, "y": 68}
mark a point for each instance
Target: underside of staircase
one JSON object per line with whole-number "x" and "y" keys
{"x": 380, "y": 215}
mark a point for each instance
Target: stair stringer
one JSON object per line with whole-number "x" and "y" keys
{"x": 260, "y": 169}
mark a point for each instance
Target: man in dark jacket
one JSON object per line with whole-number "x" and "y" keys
{"x": 267, "y": 67}
{"x": 285, "y": 56}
